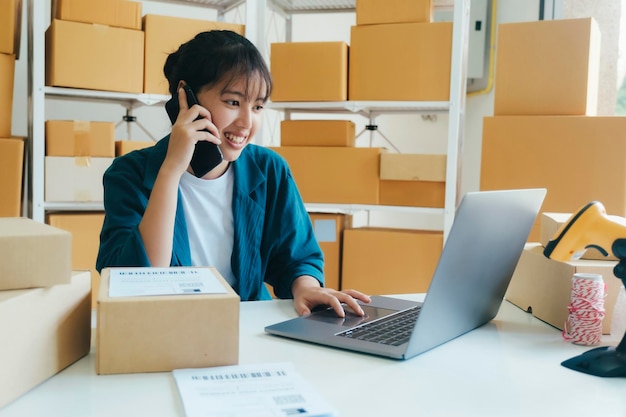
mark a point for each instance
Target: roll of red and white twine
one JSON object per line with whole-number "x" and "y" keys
{"x": 586, "y": 310}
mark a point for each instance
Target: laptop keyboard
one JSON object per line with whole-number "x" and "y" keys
{"x": 394, "y": 329}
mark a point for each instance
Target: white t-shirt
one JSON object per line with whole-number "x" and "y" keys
{"x": 208, "y": 212}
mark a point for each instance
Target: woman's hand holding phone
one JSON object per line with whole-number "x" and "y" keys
{"x": 191, "y": 124}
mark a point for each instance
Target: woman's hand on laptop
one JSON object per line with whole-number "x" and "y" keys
{"x": 308, "y": 294}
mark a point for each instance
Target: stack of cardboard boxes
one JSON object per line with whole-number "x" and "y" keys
{"x": 396, "y": 53}
{"x": 45, "y": 308}
{"x": 101, "y": 45}
{"x": 545, "y": 133}
{"x": 11, "y": 148}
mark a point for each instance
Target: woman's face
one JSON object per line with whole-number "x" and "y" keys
{"x": 236, "y": 115}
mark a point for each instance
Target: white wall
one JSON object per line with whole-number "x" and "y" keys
{"x": 409, "y": 133}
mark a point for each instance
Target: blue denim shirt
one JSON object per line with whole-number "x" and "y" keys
{"x": 274, "y": 240}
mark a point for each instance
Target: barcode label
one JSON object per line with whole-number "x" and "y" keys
{"x": 239, "y": 376}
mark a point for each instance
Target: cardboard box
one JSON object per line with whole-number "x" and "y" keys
{"x": 372, "y": 12}
{"x": 11, "y": 176}
{"x": 33, "y": 254}
{"x": 10, "y": 23}
{"x": 118, "y": 13}
{"x": 122, "y": 147}
{"x": 577, "y": 158}
{"x": 412, "y": 167}
{"x": 75, "y": 178}
{"x": 85, "y": 229}
{"x": 167, "y": 332}
{"x": 412, "y": 193}
{"x": 317, "y": 133}
{"x": 328, "y": 228}
{"x": 552, "y": 222}
{"x": 309, "y": 71}
{"x": 544, "y": 286}
{"x": 389, "y": 261}
{"x": 550, "y": 67}
{"x": 96, "y": 57}
{"x": 7, "y": 78}
{"x": 80, "y": 138}
{"x": 44, "y": 330}
{"x": 334, "y": 174}
{"x": 164, "y": 35}
{"x": 402, "y": 61}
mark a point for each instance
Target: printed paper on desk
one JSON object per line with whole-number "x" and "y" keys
{"x": 262, "y": 390}
{"x": 134, "y": 282}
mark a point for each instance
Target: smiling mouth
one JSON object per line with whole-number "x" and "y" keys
{"x": 238, "y": 140}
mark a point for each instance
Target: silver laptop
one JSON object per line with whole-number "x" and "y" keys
{"x": 481, "y": 252}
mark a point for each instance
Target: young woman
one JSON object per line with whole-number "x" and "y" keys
{"x": 245, "y": 216}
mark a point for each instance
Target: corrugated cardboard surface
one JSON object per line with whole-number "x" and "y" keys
{"x": 389, "y": 261}
{"x": 8, "y": 26}
{"x": 75, "y": 178}
{"x": 545, "y": 285}
{"x": 33, "y": 254}
{"x": 80, "y": 138}
{"x": 548, "y": 67}
{"x": 43, "y": 330}
{"x": 97, "y": 57}
{"x": 369, "y": 12}
{"x": 119, "y": 13}
{"x": 122, "y": 147}
{"x": 577, "y": 158}
{"x": 334, "y": 174}
{"x": 402, "y": 61}
{"x": 413, "y": 167}
{"x": 164, "y": 35}
{"x": 85, "y": 229}
{"x": 412, "y": 193}
{"x": 163, "y": 333}
{"x": 309, "y": 71}
{"x": 11, "y": 176}
{"x": 328, "y": 228}
{"x": 7, "y": 77}
{"x": 317, "y": 133}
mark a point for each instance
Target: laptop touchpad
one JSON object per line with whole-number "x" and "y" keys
{"x": 351, "y": 319}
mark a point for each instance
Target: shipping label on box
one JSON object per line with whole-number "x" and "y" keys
{"x": 46, "y": 330}
{"x": 80, "y": 138}
{"x": 75, "y": 179}
{"x": 309, "y": 71}
{"x": 33, "y": 254}
{"x": 160, "y": 333}
{"x": 543, "y": 286}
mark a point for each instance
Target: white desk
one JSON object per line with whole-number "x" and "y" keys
{"x": 507, "y": 368}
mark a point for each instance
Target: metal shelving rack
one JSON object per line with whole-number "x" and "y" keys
{"x": 255, "y": 22}
{"x": 455, "y": 107}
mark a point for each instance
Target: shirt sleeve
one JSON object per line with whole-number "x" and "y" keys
{"x": 125, "y": 201}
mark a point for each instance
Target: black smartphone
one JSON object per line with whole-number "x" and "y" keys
{"x": 207, "y": 155}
